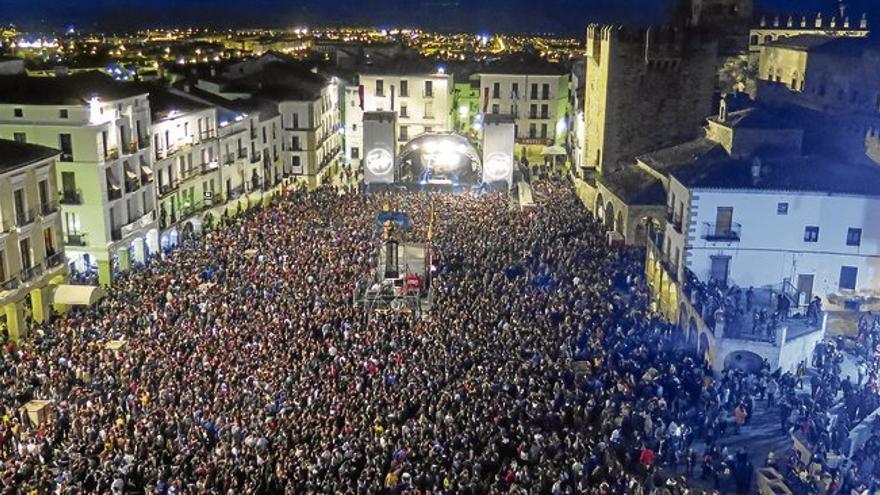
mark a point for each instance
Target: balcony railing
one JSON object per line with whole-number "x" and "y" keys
{"x": 229, "y": 159}
{"x": 75, "y": 239}
{"x": 136, "y": 223}
{"x": 166, "y": 189}
{"x": 71, "y": 197}
{"x": 55, "y": 259}
{"x": 242, "y": 153}
{"x": 187, "y": 173}
{"x": 11, "y": 284}
{"x": 209, "y": 167}
{"x": 32, "y": 272}
{"x": 48, "y": 208}
{"x": 674, "y": 220}
{"x": 132, "y": 185}
{"x": 716, "y": 232}
{"x": 235, "y": 192}
{"x": 256, "y": 156}
{"x": 24, "y": 217}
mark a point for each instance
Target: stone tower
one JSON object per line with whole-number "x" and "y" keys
{"x": 646, "y": 88}
{"x": 728, "y": 21}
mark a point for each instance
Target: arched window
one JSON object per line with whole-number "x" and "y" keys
{"x": 754, "y": 40}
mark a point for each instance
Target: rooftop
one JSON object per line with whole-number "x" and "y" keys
{"x": 14, "y": 155}
{"x": 75, "y": 89}
{"x": 164, "y": 102}
{"x": 782, "y": 173}
{"x": 635, "y": 186}
{"x": 526, "y": 64}
{"x": 817, "y": 43}
{"x": 685, "y": 153}
{"x": 756, "y": 118}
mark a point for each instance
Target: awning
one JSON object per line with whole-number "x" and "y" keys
{"x": 78, "y": 295}
{"x": 553, "y": 150}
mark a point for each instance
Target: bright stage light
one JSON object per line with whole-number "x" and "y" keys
{"x": 379, "y": 161}
{"x": 498, "y": 166}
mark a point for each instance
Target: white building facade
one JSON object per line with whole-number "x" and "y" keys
{"x": 422, "y": 101}
{"x": 537, "y": 103}
{"x": 806, "y": 242}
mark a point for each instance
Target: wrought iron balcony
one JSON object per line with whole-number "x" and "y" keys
{"x": 32, "y": 272}
{"x": 75, "y": 239}
{"x": 71, "y": 197}
{"x": 24, "y": 217}
{"x": 55, "y": 259}
{"x": 48, "y": 208}
{"x": 11, "y": 284}
{"x": 716, "y": 232}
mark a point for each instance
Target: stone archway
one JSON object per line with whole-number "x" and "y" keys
{"x": 703, "y": 348}
{"x": 692, "y": 333}
{"x": 600, "y": 208}
{"x": 619, "y": 224}
{"x": 743, "y": 360}
{"x": 609, "y": 216}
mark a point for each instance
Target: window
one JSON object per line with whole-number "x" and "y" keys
{"x": 848, "y": 277}
{"x": 62, "y": 114}
{"x": 533, "y": 131}
{"x": 496, "y": 108}
{"x": 545, "y": 112}
{"x": 533, "y": 111}
{"x": 429, "y": 110}
{"x": 429, "y": 130}
{"x": 404, "y": 88}
{"x": 404, "y": 133}
{"x": 294, "y": 144}
{"x": 543, "y": 131}
{"x": 403, "y": 110}
{"x": 429, "y": 89}
{"x": 514, "y": 91}
{"x": 811, "y": 234}
{"x": 18, "y": 112}
{"x": 294, "y": 121}
{"x": 20, "y": 137}
{"x": 355, "y": 152}
{"x": 534, "y": 91}
{"x": 496, "y": 90}
{"x": 754, "y": 40}
{"x": 782, "y": 208}
{"x": 295, "y": 161}
{"x": 545, "y": 91}
{"x": 854, "y": 237}
{"x": 380, "y": 87}
{"x": 66, "y": 145}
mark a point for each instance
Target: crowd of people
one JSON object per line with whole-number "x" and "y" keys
{"x": 247, "y": 368}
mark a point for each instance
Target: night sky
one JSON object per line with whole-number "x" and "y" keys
{"x": 561, "y": 16}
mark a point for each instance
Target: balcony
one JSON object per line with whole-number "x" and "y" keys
{"x": 132, "y": 185}
{"x": 242, "y": 153}
{"x": 209, "y": 167}
{"x": 256, "y": 156}
{"x": 111, "y": 154}
{"x": 191, "y": 172}
{"x": 75, "y": 239}
{"x": 55, "y": 259}
{"x": 71, "y": 197}
{"x": 674, "y": 220}
{"x": 48, "y": 208}
{"x": 229, "y": 159}
{"x": 30, "y": 273}
{"x": 135, "y": 224}
{"x": 11, "y": 284}
{"x": 716, "y": 232}
{"x": 166, "y": 189}
{"x": 206, "y": 135}
{"x": 24, "y": 217}
{"x": 235, "y": 192}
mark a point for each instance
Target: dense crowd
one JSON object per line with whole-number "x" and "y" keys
{"x": 248, "y": 369}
